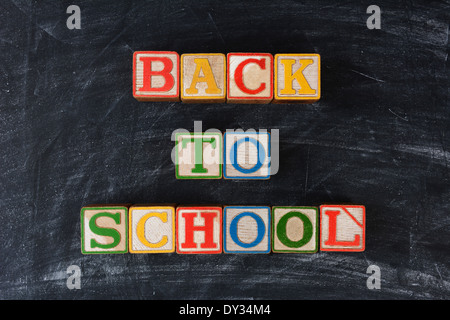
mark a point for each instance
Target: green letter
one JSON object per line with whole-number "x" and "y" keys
{"x": 307, "y": 230}
{"x": 109, "y": 232}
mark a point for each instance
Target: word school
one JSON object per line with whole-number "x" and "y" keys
{"x": 109, "y": 229}
{"x": 235, "y": 78}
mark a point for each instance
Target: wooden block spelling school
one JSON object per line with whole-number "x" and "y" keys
{"x": 235, "y": 78}
{"x": 107, "y": 229}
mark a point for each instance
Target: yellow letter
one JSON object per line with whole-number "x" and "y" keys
{"x": 140, "y": 229}
{"x": 202, "y": 64}
{"x": 305, "y": 88}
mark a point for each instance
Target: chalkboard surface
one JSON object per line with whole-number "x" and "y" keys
{"x": 71, "y": 134}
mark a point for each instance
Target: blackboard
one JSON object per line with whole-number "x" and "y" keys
{"x": 72, "y": 134}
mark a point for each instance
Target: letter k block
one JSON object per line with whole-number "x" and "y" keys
{"x": 199, "y": 230}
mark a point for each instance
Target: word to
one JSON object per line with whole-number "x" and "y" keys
{"x": 216, "y": 229}
{"x": 235, "y": 78}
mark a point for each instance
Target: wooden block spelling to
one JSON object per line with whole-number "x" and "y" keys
{"x": 342, "y": 227}
{"x": 203, "y": 77}
{"x": 246, "y": 229}
{"x": 104, "y": 229}
{"x": 198, "y": 155}
{"x": 156, "y": 76}
{"x": 199, "y": 229}
{"x": 246, "y": 155}
{"x": 249, "y": 78}
{"x": 151, "y": 229}
{"x": 297, "y": 78}
{"x": 295, "y": 229}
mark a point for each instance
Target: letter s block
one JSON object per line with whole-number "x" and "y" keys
{"x": 249, "y": 78}
{"x": 156, "y": 76}
{"x": 199, "y": 230}
{"x": 152, "y": 229}
{"x": 342, "y": 228}
{"x": 297, "y": 78}
{"x": 203, "y": 78}
{"x": 104, "y": 229}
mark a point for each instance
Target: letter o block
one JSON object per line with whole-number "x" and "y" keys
{"x": 249, "y": 78}
{"x": 156, "y": 76}
{"x": 152, "y": 229}
{"x": 295, "y": 229}
{"x": 247, "y": 229}
{"x": 199, "y": 230}
{"x": 104, "y": 229}
{"x": 297, "y": 78}
{"x": 203, "y": 78}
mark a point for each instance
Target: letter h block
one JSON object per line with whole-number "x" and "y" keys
{"x": 199, "y": 230}
{"x": 156, "y": 76}
{"x": 297, "y": 78}
{"x": 249, "y": 78}
{"x": 104, "y": 229}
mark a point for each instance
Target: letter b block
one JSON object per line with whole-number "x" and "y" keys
{"x": 297, "y": 78}
{"x": 104, "y": 229}
{"x": 203, "y": 78}
{"x": 156, "y": 76}
{"x": 295, "y": 229}
{"x": 247, "y": 229}
{"x": 249, "y": 78}
{"x": 199, "y": 230}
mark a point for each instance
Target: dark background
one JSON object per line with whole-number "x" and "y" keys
{"x": 71, "y": 134}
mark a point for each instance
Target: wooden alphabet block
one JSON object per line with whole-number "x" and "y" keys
{"x": 249, "y": 78}
{"x": 246, "y": 229}
{"x": 199, "y": 230}
{"x": 203, "y": 78}
{"x": 246, "y": 155}
{"x": 295, "y": 229}
{"x": 342, "y": 227}
{"x": 198, "y": 155}
{"x": 297, "y": 78}
{"x": 104, "y": 229}
{"x": 156, "y": 76}
{"x": 152, "y": 229}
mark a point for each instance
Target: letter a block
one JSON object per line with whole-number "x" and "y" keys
{"x": 247, "y": 229}
{"x": 295, "y": 229}
{"x": 297, "y": 78}
{"x": 152, "y": 229}
{"x": 199, "y": 230}
{"x": 156, "y": 76}
{"x": 203, "y": 78}
{"x": 198, "y": 155}
{"x": 246, "y": 155}
{"x": 342, "y": 227}
{"x": 104, "y": 229}
{"x": 249, "y": 78}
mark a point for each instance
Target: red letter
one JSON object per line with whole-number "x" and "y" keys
{"x": 332, "y": 216}
{"x": 165, "y": 72}
{"x": 238, "y": 75}
{"x": 207, "y": 228}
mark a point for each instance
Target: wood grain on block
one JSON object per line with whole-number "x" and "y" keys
{"x": 246, "y": 229}
{"x": 104, "y": 229}
{"x": 156, "y": 76}
{"x": 203, "y": 78}
{"x": 342, "y": 227}
{"x": 152, "y": 229}
{"x": 198, "y": 155}
{"x": 295, "y": 229}
{"x": 249, "y": 78}
{"x": 297, "y": 78}
{"x": 246, "y": 155}
{"x": 199, "y": 230}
